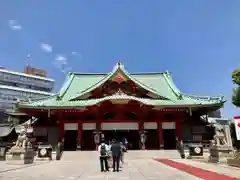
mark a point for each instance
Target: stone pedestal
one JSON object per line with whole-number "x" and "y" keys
{"x": 234, "y": 160}
{"x": 3, "y": 151}
{"x": 222, "y": 143}
{"x": 214, "y": 156}
{"x": 215, "y": 150}
{"x": 18, "y": 155}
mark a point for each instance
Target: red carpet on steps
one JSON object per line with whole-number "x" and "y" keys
{"x": 201, "y": 173}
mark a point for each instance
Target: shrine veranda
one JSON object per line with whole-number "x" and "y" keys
{"x": 145, "y": 108}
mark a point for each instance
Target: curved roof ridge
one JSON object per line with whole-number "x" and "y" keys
{"x": 47, "y": 98}
{"x": 140, "y": 83}
{"x": 146, "y": 101}
{"x": 41, "y": 98}
{"x": 66, "y": 84}
{"x": 103, "y": 80}
{"x": 207, "y": 98}
{"x": 122, "y": 95}
{"x": 168, "y": 78}
{"x": 106, "y": 73}
{"x": 118, "y": 67}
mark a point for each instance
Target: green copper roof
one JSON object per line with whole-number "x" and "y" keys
{"x": 160, "y": 84}
{"x": 117, "y": 69}
{"x": 51, "y": 102}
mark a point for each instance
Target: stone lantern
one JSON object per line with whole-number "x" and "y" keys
{"x": 97, "y": 138}
{"x": 143, "y": 138}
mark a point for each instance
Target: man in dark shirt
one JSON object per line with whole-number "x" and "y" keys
{"x": 116, "y": 154}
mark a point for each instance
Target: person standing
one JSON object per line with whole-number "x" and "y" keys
{"x": 125, "y": 142}
{"x": 103, "y": 151}
{"x": 116, "y": 154}
{"x": 122, "y": 153}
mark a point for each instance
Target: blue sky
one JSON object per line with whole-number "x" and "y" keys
{"x": 197, "y": 41}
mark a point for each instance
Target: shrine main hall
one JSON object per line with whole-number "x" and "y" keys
{"x": 145, "y": 108}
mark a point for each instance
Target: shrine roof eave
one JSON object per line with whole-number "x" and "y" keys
{"x": 53, "y": 102}
{"x": 81, "y": 105}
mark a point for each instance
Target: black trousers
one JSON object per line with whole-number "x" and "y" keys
{"x": 116, "y": 160}
{"x": 104, "y": 163}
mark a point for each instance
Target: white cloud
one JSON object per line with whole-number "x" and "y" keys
{"x": 74, "y": 53}
{"x": 61, "y": 58}
{"x": 13, "y": 24}
{"x": 46, "y": 47}
{"x": 61, "y": 63}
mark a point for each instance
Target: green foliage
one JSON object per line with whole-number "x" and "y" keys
{"x": 236, "y": 97}
{"x": 236, "y": 143}
{"x": 236, "y": 76}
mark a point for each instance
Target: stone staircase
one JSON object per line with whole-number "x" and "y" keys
{"x": 130, "y": 155}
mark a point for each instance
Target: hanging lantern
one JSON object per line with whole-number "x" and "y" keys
{"x": 96, "y": 138}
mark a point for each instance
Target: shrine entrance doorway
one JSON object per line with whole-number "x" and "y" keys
{"x": 120, "y": 130}
{"x": 70, "y": 140}
{"x": 87, "y": 140}
{"x": 152, "y": 140}
{"x": 169, "y": 136}
{"x": 132, "y": 137}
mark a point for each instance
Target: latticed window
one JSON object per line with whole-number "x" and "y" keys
{"x": 109, "y": 116}
{"x": 72, "y": 117}
{"x": 130, "y": 116}
{"x": 88, "y": 117}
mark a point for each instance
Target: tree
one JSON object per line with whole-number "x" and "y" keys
{"x": 236, "y": 76}
{"x": 236, "y": 102}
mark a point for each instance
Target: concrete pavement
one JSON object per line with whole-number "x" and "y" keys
{"x": 139, "y": 165}
{"x": 133, "y": 170}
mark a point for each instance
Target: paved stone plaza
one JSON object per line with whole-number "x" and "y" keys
{"x": 85, "y": 165}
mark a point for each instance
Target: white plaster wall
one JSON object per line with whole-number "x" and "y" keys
{"x": 70, "y": 126}
{"x": 119, "y": 126}
{"x": 168, "y": 125}
{"x": 150, "y": 125}
{"x": 89, "y": 126}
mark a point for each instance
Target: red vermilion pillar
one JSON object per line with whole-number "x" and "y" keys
{"x": 178, "y": 130}
{"x": 98, "y": 131}
{"x": 61, "y": 130}
{"x": 160, "y": 135}
{"x": 141, "y": 128}
{"x": 79, "y": 136}
{"x": 140, "y": 125}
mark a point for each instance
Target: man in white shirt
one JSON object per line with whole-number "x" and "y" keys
{"x": 103, "y": 150}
